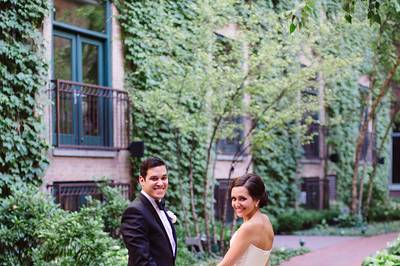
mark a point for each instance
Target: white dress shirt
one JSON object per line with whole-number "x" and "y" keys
{"x": 163, "y": 217}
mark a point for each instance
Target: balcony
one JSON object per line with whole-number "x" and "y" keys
{"x": 87, "y": 116}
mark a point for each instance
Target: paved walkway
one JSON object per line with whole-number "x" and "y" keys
{"x": 310, "y": 242}
{"x": 334, "y": 251}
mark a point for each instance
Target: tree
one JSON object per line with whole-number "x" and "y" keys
{"x": 385, "y": 15}
{"x": 188, "y": 80}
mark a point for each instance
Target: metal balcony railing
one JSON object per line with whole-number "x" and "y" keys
{"x": 89, "y": 116}
{"x": 72, "y": 195}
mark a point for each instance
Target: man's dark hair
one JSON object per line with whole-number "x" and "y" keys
{"x": 150, "y": 162}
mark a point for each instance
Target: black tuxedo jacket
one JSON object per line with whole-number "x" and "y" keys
{"x": 144, "y": 235}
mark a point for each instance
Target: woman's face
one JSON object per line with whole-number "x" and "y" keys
{"x": 242, "y": 202}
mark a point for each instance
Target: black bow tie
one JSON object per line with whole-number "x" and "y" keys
{"x": 160, "y": 204}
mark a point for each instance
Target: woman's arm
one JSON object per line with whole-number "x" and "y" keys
{"x": 239, "y": 245}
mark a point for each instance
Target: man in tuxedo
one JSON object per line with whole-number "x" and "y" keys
{"x": 146, "y": 228}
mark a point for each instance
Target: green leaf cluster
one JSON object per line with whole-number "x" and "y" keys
{"x": 389, "y": 256}
{"x": 23, "y": 73}
{"x": 187, "y": 81}
{"x": 35, "y": 231}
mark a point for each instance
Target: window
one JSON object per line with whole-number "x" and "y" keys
{"x": 309, "y": 97}
{"x": 312, "y": 189}
{"x": 233, "y": 144}
{"x": 73, "y": 195}
{"x": 311, "y": 148}
{"x": 396, "y": 137}
{"x": 80, "y": 60}
{"x": 396, "y": 157}
{"x": 220, "y": 191}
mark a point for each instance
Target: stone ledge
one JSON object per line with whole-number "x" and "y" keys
{"x": 57, "y": 152}
{"x": 226, "y": 157}
{"x": 310, "y": 161}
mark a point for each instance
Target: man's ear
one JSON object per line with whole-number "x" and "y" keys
{"x": 141, "y": 179}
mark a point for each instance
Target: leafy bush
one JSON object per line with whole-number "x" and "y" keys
{"x": 364, "y": 229}
{"x": 294, "y": 220}
{"x": 110, "y": 209}
{"x": 22, "y": 215}
{"x": 77, "y": 238}
{"x": 184, "y": 256}
{"x": 289, "y": 222}
{"x": 34, "y": 231}
{"x": 346, "y": 220}
{"x": 389, "y": 256}
{"x": 390, "y": 212}
{"x": 282, "y": 254}
{"x": 274, "y": 221}
{"x": 23, "y": 69}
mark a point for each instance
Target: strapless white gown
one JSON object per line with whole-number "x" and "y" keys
{"x": 253, "y": 256}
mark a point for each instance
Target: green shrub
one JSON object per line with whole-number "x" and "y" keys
{"x": 77, "y": 238}
{"x": 282, "y": 254}
{"x": 184, "y": 256}
{"x": 274, "y": 221}
{"x": 331, "y": 214}
{"x": 382, "y": 259}
{"x": 288, "y": 222}
{"x": 21, "y": 216}
{"x": 391, "y": 212}
{"x": 34, "y": 231}
{"x": 361, "y": 230}
{"x": 294, "y": 220}
{"x": 389, "y": 256}
{"x": 346, "y": 220}
{"x": 110, "y": 209}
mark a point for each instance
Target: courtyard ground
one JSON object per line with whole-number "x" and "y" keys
{"x": 334, "y": 250}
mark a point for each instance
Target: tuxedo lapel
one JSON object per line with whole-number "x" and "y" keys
{"x": 173, "y": 229}
{"x": 150, "y": 207}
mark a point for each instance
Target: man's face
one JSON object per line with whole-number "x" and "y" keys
{"x": 155, "y": 183}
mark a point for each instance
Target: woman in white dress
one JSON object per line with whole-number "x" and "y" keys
{"x": 251, "y": 244}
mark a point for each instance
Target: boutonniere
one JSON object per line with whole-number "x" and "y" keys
{"x": 172, "y": 216}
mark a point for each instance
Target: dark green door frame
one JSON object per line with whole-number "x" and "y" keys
{"x": 102, "y": 42}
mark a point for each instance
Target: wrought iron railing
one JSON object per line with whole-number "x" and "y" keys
{"x": 314, "y": 188}
{"x": 72, "y": 195}
{"x": 89, "y": 116}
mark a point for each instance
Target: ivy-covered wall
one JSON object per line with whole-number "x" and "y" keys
{"x": 155, "y": 31}
{"x": 277, "y": 164}
{"x": 348, "y": 101}
{"x": 22, "y": 77}
{"x": 145, "y": 38}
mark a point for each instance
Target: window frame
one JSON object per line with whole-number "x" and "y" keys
{"x": 103, "y": 40}
{"x": 232, "y": 146}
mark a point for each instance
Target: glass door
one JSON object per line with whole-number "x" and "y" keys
{"x": 64, "y": 62}
{"x": 92, "y": 100}
{"x": 81, "y": 108}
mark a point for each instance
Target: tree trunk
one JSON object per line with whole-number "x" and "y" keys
{"x": 191, "y": 187}
{"x": 361, "y": 189}
{"x": 361, "y": 136}
{"x": 207, "y": 184}
{"x": 375, "y": 163}
{"x": 181, "y": 191}
{"x": 236, "y": 158}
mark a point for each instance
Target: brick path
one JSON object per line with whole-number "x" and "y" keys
{"x": 310, "y": 242}
{"x": 334, "y": 251}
